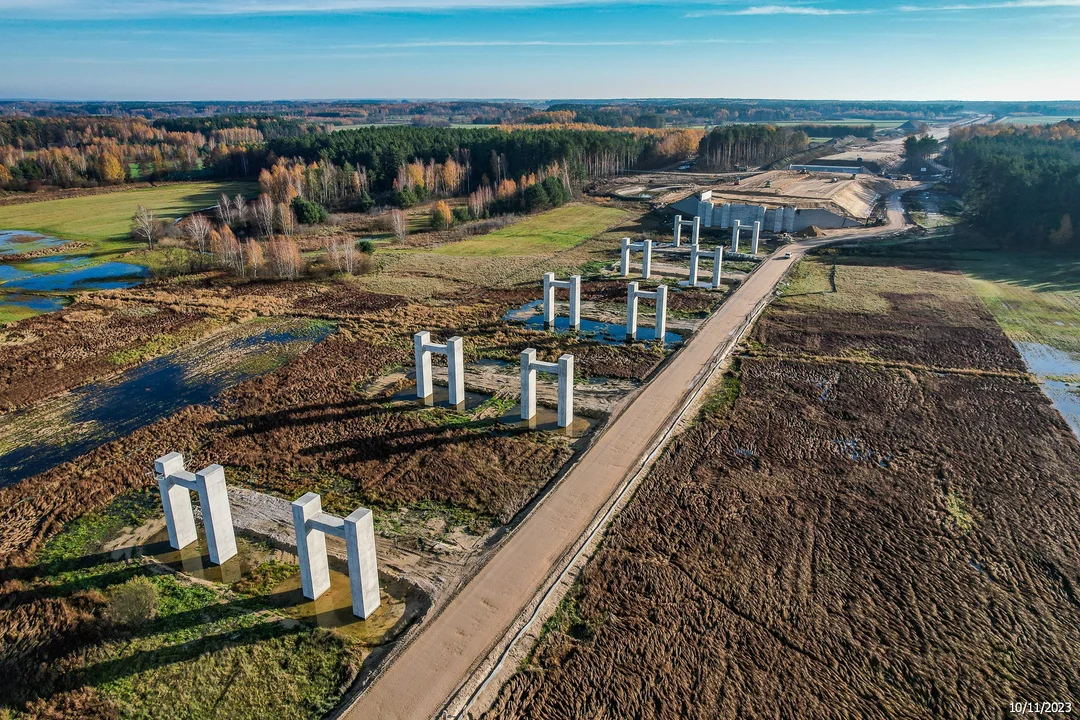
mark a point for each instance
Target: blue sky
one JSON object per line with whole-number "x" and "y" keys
{"x": 536, "y": 49}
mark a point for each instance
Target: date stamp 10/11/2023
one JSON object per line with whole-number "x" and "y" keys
{"x": 1040, "y": 708}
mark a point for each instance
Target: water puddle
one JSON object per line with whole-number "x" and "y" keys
{"x": 547, "y": 420}
{"x": 17, "y": 242}
{"x": 34, "y": 303}
{"x": 440, "y": 397}
{"x": 1059, "y": 376}
{"x": 1045, "y": 360}
{"x": 194, "y": 560}
{"x": 63, "y": 428}
{"x": 332, "y": 610}
{"x": 531, "y": 315}
{"x": 58, "y": 273}
{"x": 106, "y": 276}
{"x": 60, "y": 262}
{"x": 10, "y": 272}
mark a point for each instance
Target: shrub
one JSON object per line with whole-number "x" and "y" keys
{"x": 309, "y": 213}
{"x": 536, "y": 198}
{"x": 441, "y": 216}
{"x": 462, "y": 214}
{"x": 133, "y": 603}
{"x": 363, "y": 201}
{"x": 404, "y": 198}
{"x": 365, "y": 246}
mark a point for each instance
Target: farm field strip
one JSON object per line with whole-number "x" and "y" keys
{"x": 881, "y": 124}
{"x": 555, "y": 230}
{"x": 105, "y": 219}
{"x": 1034, "y": 119}
{"x": 1036, "y": 301}
{"x": 1033, "y": 298}
{"x": 795, "y": 550}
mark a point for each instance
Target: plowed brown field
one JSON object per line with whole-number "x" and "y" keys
{"x": 844, "y": 540}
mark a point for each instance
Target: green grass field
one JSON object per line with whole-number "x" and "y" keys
{"x": 1035, "y": 298}
{"x": 105, "y": 220}
{"x": 555, "y": 230}
{"x": 1035, "y": 119}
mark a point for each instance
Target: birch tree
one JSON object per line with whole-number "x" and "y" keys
{"x": 262, "y": 212}
{"x": 285, "y": 218}
{"x": 239, "y": 209}
{"x": 283, "y": 257}
{"x": 197, "y": 230}
{"x": 342, "y": 253}
{"x": 145, "y": 227}
{"x": 254, "y": 256}
{"x": 399, "y": 225}
{"x": 223, "y": 210}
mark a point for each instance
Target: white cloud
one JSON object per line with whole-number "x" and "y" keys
{"x": 1010, "y": 5}
{"x": 806, "y": 10}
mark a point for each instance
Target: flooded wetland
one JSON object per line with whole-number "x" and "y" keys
{"x": 292, "y": 387}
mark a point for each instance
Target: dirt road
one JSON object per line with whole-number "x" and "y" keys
{"x": 423, "y": 678}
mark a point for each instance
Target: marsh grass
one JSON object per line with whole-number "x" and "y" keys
{"x": 214, "y": 650}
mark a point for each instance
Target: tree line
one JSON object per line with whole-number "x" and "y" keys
{"x": 79, "y": 152}
{"x": 1020, "y": 186}
{"x": 673, "y": 112}
{"x": 88, "y": 151}
{"x": 729, "y": 146}
{"x": 488, "y": 155}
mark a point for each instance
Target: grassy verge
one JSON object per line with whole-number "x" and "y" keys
{"x": 555, "y": 230}
{"x": 723, "y": 398}
{"x": 566, "y": 621}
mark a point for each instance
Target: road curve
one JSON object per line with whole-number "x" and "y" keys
{"x": 419, "y": 682}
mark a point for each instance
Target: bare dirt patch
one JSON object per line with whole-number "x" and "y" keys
{"x": 853, "y": 307}
{"x": 845, "y": 542}
{"x": 836, "y": 540}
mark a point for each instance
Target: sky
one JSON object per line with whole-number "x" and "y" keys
{"x": 539, "y": 49}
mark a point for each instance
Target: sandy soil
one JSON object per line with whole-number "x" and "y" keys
{"x": 434, "y": 566}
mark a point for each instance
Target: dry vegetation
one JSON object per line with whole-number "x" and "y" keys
{"x": 49, "y": 354}
{"x": 310, "y": 424}
{"x": 838, "y": 539}
{"x": 306, "y": 421}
